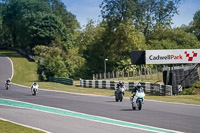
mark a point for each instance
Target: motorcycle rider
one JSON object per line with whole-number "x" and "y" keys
{"x": 8, "y": 81}
{"x": 34, "y": 84}
{"x": 120, "y": 84}
{"x": 138, "y": 86}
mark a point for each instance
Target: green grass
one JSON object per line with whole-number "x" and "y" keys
{"x": 8, "y": 127}
{"x": 26, "y": 73}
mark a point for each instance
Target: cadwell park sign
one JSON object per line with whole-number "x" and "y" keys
{"x": 179, "y": 77}
{"x": 176, "y": 56}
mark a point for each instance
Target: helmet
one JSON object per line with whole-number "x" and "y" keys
{"x": 138, "y": 84}
{"x": 120, "y": 82}
{"x": 9, "y": 79}
{"x": 34, "y": 83}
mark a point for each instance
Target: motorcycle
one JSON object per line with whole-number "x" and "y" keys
{"x": 34, "y": 89}
{"x": 7, "y": 84}
{"x": 119, "y": 93}
{"x": 138, "y": 99}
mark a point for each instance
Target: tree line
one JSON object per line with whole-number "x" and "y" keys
{"x": 64, "y": 49}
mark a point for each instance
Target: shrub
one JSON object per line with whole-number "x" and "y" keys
{"x": 188, "y": 91}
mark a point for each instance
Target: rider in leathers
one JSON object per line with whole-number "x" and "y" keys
{"x": 34, "y": 84}
{"x": 135, "y": 89}
{"x": 8, "y": 81}
{"x": 120, "y": 84}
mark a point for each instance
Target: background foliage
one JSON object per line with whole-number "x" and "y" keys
{"x": 48, "y": 30}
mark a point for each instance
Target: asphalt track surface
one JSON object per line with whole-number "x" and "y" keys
{"x": 178, "y": 117}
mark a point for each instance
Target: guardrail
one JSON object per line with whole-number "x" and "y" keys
{"x": 62, "y": 80}
{"x": 151, "y": 88}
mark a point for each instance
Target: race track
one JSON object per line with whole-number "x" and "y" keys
{"x": 176, "y": 117}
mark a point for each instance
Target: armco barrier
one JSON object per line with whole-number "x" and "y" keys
{"x": 22, "y": 53}
{"x": 151, "y": 88}
{"x": 67, "y": 81}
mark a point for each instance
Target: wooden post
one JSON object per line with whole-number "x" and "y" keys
{"x": 97, "y": 76}
{"x": 157, "y": 72}
{"x": 128, "y": 74}
{"x": 199, "y": 71}
{"x": 141, "y": 77}
{"x": 117, "y": 75}
{"x": 108, "y": 75}
{"x": 133, "y": 73}
{"x": 151, "y": 73}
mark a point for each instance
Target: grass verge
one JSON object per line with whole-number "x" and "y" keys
{"x": 26, "y": 73}
{"x": 8, "y": 127}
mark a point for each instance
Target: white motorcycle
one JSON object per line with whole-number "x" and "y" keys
{"x": 138, "y": 99}
{"x": 34, "y": 89}
{"x": 119, "y": 93}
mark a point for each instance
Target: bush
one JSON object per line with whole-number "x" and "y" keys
{"x": 196, "y": 85}
{"x": 188, "y": 91}
{"x": 54, "y": 67}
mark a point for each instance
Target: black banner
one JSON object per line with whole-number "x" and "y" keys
{"x": 138, "y": 57}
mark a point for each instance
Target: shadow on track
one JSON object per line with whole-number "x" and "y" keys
{"x": 126, "y": 110}
{"x": 111, "y": 101}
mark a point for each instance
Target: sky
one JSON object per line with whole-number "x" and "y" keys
{"x": 89, "y": 9}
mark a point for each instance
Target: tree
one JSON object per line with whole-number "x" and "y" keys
{"x": 18, "y": 14}
{"x": 43, "y": 30}
{"x": 173, "y": 39}
{"x": 117, "y": 11}
{"x": 50, "y": 61}
{"x": 145, "y": 14}
{"x": 115, "y": 45}
{"x": 125, "y": 39}
{"x": 34, "y": 22}
{"x": 151, "y": 13}
{"x": 196, "y": 25}
{"x": 67, "y": 18}
{"x": 75, "y": 63}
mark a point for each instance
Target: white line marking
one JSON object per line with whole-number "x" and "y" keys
{"x": 24, "y": 125}
{"x": 12, "y": 67}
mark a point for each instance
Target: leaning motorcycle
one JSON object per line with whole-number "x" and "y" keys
{"x": 34, "y": 90}
{"x": 119, "y": 93}
{"x": 7, "y": 85}
{"x": 138, "y": 99}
